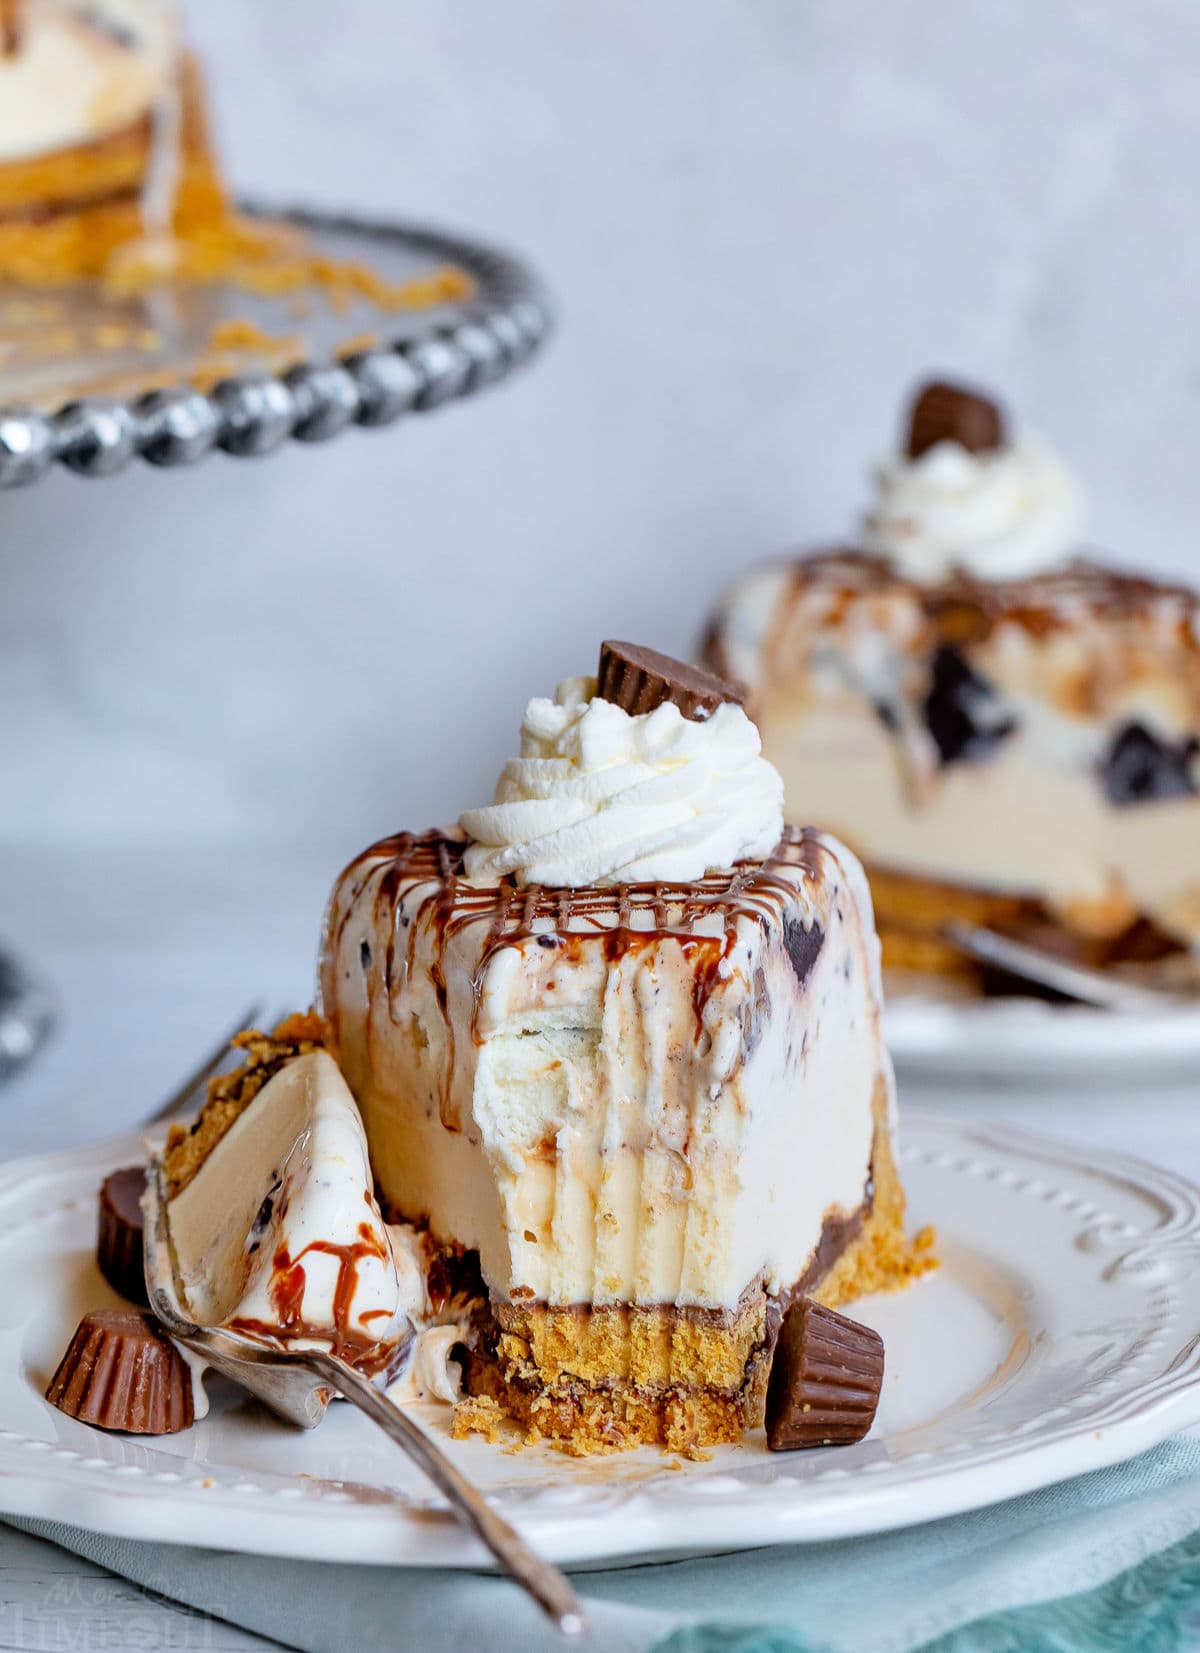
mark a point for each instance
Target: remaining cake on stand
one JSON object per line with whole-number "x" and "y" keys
{"x": 102, "y": 136}
{"x": 617, "y": 1037}
{"x": 107, "y": 174}
{"x": 1006, "y": 730}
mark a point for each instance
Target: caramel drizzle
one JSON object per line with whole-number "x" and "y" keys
{"x": 963, "y": 607}
{"x": 564, "y": 918}
{"x": 288, "y": 1283}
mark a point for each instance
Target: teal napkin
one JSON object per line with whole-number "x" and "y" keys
{"x": 1110, "y": 1559}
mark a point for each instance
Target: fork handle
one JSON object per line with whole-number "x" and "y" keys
{"x": 543, "y": 1581}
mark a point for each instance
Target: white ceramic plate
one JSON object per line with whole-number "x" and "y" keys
{"x": 1060, "y": 1335}
{"x": 1017, "y": 1039}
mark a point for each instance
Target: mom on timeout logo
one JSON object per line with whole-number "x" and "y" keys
{"x": 99, "y": 1614}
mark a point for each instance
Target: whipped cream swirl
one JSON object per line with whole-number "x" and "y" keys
{"x": 1001, "y": 516}
{"x": 601, "y": 797}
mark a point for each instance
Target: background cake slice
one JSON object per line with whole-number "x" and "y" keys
{"x": 1006, "y": 731}
{"x": 80, "y": 86}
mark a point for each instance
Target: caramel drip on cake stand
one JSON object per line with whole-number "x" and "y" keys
{"x": 567, "y": 919}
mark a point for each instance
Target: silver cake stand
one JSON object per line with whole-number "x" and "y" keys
{"x": 93, "y": 381}
{"x": 124, "y": 388}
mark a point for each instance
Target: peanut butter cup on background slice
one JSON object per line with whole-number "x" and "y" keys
{"x": 945, "y": 412}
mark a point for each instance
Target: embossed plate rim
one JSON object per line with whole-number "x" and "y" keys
{"x": 1111, "y": 1236}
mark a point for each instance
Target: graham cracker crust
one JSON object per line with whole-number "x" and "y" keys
{"x": 70, "y": 179}
{"x": 592, "y": 1380}
{"x": 65, "y": 214}
{"x": 230, "y": 1094}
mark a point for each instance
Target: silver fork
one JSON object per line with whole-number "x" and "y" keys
{"x": 298, "y": 1384}
{"x": 1101, "y": 988}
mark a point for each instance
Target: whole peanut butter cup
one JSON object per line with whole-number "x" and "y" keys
{"x": 825, "y": 1379}
{"x": 639, "y": 680}
{"x": 120, "y": 1372}
{"x": 944, "y": 412}
{"x": 119, "y": 1235}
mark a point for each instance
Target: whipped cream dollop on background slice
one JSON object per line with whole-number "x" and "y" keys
{"x": 1001, "y": 515}
{"x": 278, "y": 1233}
{"x": 599, "y": 796}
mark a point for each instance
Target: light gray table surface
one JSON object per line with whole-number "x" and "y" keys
{"x": 149, "y": 954}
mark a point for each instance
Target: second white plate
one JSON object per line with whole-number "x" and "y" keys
{"x": 1016, "y": 1039}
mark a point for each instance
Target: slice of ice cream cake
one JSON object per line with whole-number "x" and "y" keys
{"x": 618, "y": 1034}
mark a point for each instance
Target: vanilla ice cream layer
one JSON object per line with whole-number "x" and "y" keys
{"x": 83, "y": 72}
{"x": 279, "y": 1235}
{"x": 1013, "y": 824}
{"x": 628, "y": 1099}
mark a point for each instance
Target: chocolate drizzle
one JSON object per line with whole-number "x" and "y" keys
{"x": 963, "y": 609}
{"x": 626, "y": 918}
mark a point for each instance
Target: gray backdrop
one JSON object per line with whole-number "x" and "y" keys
{"x": 763, "y": 218}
